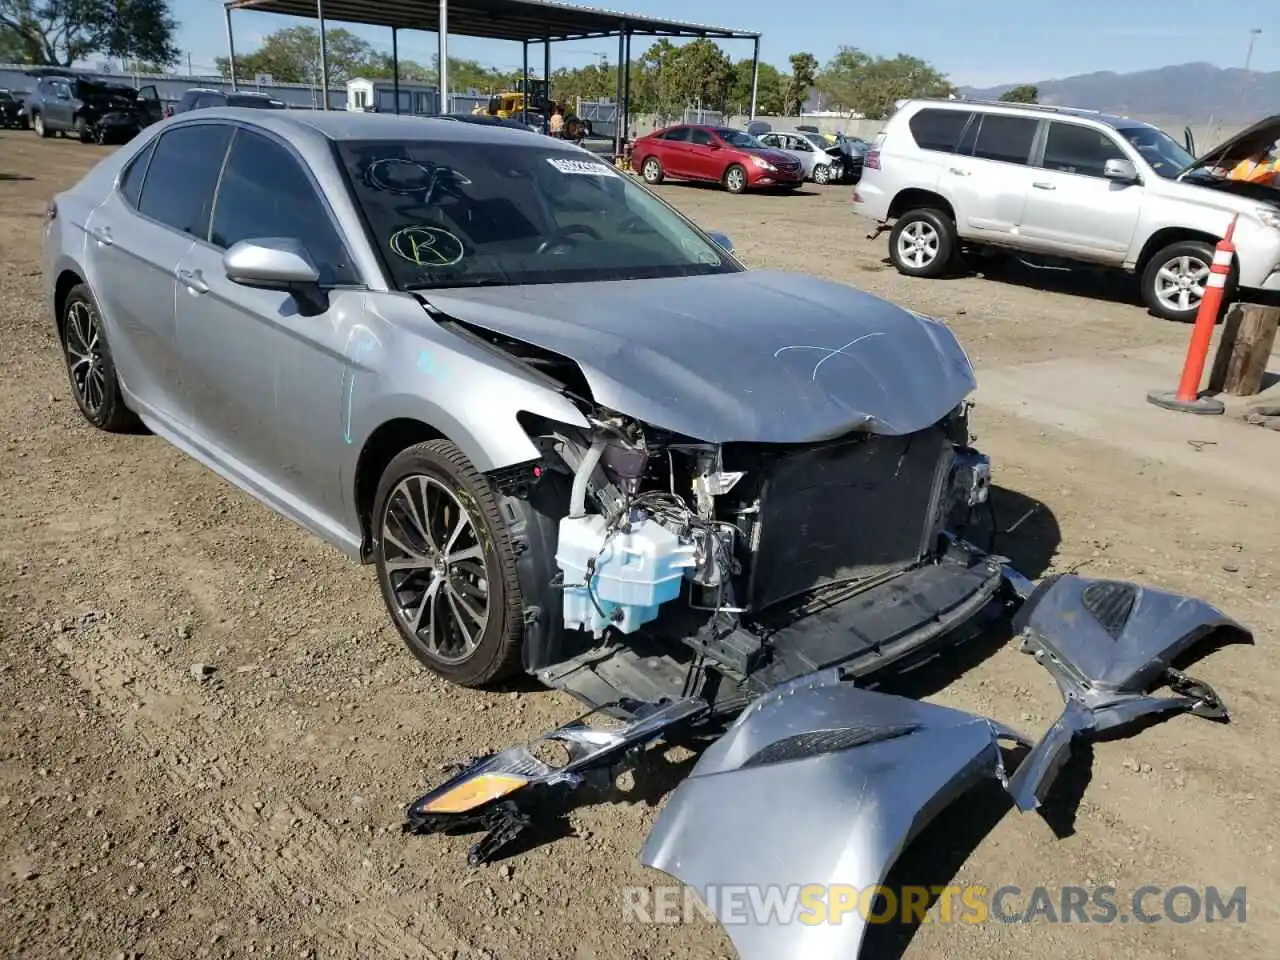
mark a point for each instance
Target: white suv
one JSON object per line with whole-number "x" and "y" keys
{"x": 1069, "y": 184}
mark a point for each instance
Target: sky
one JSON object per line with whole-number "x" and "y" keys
{"x": 975, "y": 44}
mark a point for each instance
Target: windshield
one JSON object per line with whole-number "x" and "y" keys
{"x": 736, "y": 138}
{"x": 1165, "y": 155}
{"x": 450, "y": 214}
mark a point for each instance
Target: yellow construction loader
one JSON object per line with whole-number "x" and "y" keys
{"x": 532, "y": 105}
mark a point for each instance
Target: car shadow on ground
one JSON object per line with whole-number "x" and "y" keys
{"x": 13, "y": 177}
{"x": 808, "y": 190}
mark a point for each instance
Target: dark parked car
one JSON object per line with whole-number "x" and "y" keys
{"x": 720, "y": 154}
{"x": 94, "y": 110}
{"x": 11, "y": 112}
{"x": 199, "y": 98}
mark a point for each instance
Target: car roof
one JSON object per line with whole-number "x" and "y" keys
{"x": 351, "y": 125}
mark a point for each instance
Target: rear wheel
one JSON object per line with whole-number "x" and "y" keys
{"x": 922, "y": 243}
{"x": 651, "y": 170}
{"x": 735, "y": 179}
{"x": 446, "y": 565}
{"x": 90, "y": 366}
{"x": 1173, "y": 283}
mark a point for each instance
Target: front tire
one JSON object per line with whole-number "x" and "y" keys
{"x": 651, "y": 170}
{"x": 822, "y": 174}
{"x": 94, "y": 381}
{"x": 82, "y": 130}
{"x": 735, "y": 179}
{"x": 922, "y": 243}
{"x": 446, "y": 565}
{"x": 37, "y": 124}
{"x": 1173, "y": 283}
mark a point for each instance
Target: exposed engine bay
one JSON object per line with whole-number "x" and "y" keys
{"x": 688, "y": 566}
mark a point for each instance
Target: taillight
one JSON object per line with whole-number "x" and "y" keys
{"x": 872, "y": 160}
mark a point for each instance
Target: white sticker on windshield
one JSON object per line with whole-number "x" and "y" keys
{"x": 589, "y": 168}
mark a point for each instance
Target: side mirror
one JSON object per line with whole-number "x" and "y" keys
{"x": 272, "y": 263}
{"x": 722, "y": 240}
{"x": 1121, "y": 171}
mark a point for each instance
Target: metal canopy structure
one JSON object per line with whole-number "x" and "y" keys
{"x": 523, "y": 21}
{"x": 532, "y": 21}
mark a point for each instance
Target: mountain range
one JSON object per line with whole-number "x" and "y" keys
{"x": 1189, "y": 93}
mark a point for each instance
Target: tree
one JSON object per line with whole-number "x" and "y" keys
{"x": 804, "y": 70}
{"x": 1023, "y": 93}
{"x": 768, "y": 90}
{"x": 870, "y": 86}
{"x": 292, "y": 55}
{"x": 64, "y": 32}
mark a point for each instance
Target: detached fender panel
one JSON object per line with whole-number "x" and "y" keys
{"x": 1109, "y": 645}
{"x": 818, "y": 781}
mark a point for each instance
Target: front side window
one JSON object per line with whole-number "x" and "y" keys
{"x": 183, "y": 175}
{"x": 472, "y": 214}
{"x": 938, "y": 129}
{"x": 1165, "y": 155}
{"x": 265, "y": 192}
{"x": 1071, "y": 148}
{"x": 1004, "y": 138}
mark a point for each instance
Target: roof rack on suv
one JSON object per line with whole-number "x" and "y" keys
{"x": 1046, "y": 107}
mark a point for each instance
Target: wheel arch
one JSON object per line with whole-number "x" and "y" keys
{"x": 915, "y": 198}
{"x": 382, "y": 445}
{"x": 1162, "y": 238}
{"x": 68, "y": 280}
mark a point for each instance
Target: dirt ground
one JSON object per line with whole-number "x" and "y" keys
{"x": 152, "y": 811}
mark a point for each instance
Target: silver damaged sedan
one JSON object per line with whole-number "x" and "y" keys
{"x": 578, "y": 439}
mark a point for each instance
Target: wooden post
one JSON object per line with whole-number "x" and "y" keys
{"x": 1248, "y": 337}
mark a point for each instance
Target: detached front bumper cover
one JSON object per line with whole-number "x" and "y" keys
{"x": 818, "y": 781}
{"x": 1109, "y": 646}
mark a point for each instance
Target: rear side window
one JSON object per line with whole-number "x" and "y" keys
{"x": 183, "y": 175}
{"x": 679, "y": 133}
{"x": 937, "y": 129}
{"x": 265, "y": 192}
{"x": 1007, "y": 139}
{"x": 1072, "y": 148}
{"x": 131, "y": 182}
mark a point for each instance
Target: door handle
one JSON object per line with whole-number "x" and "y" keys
{"x": 193, "y": 280}
{"x": 959, "y": 173}
{"x": 1040, "y": 185}
{"x": 102, "y": 235}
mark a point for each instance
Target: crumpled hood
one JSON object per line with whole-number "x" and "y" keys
{"x": 756, "y": 356}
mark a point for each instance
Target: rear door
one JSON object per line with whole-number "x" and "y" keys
{"x": 137, "y": 238}
{"x": 989, "y": 176}
{"x": 673, "y": 152}
{"x": 263, "y": 377}
{"x": 1071, "y": 207}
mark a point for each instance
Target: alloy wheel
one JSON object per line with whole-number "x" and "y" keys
{"x": 83, "y": 344}
{"x": 821, "y": 174}
{"x": 651, "y": 170}
{"x": 434, "y": 556}
{"x": 918, "y": 244}
{"x": 736, "y": 180}
{"x": 38, "y": 124}
{"x": 1180, "y": 283}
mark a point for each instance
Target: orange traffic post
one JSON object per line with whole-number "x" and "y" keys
{"x": 1187, "y": 399}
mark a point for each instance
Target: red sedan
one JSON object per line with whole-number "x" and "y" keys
{"x": 721, "y": 154}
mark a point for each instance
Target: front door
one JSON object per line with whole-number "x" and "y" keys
{"x": 988, "y": 177}
{"x": 264, "y": 374}
{"x": 1071, "y": 207}
{"x": 704, "y": 154}
{"x": 59, "y": 106}
{"x": 150, "y": 109}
